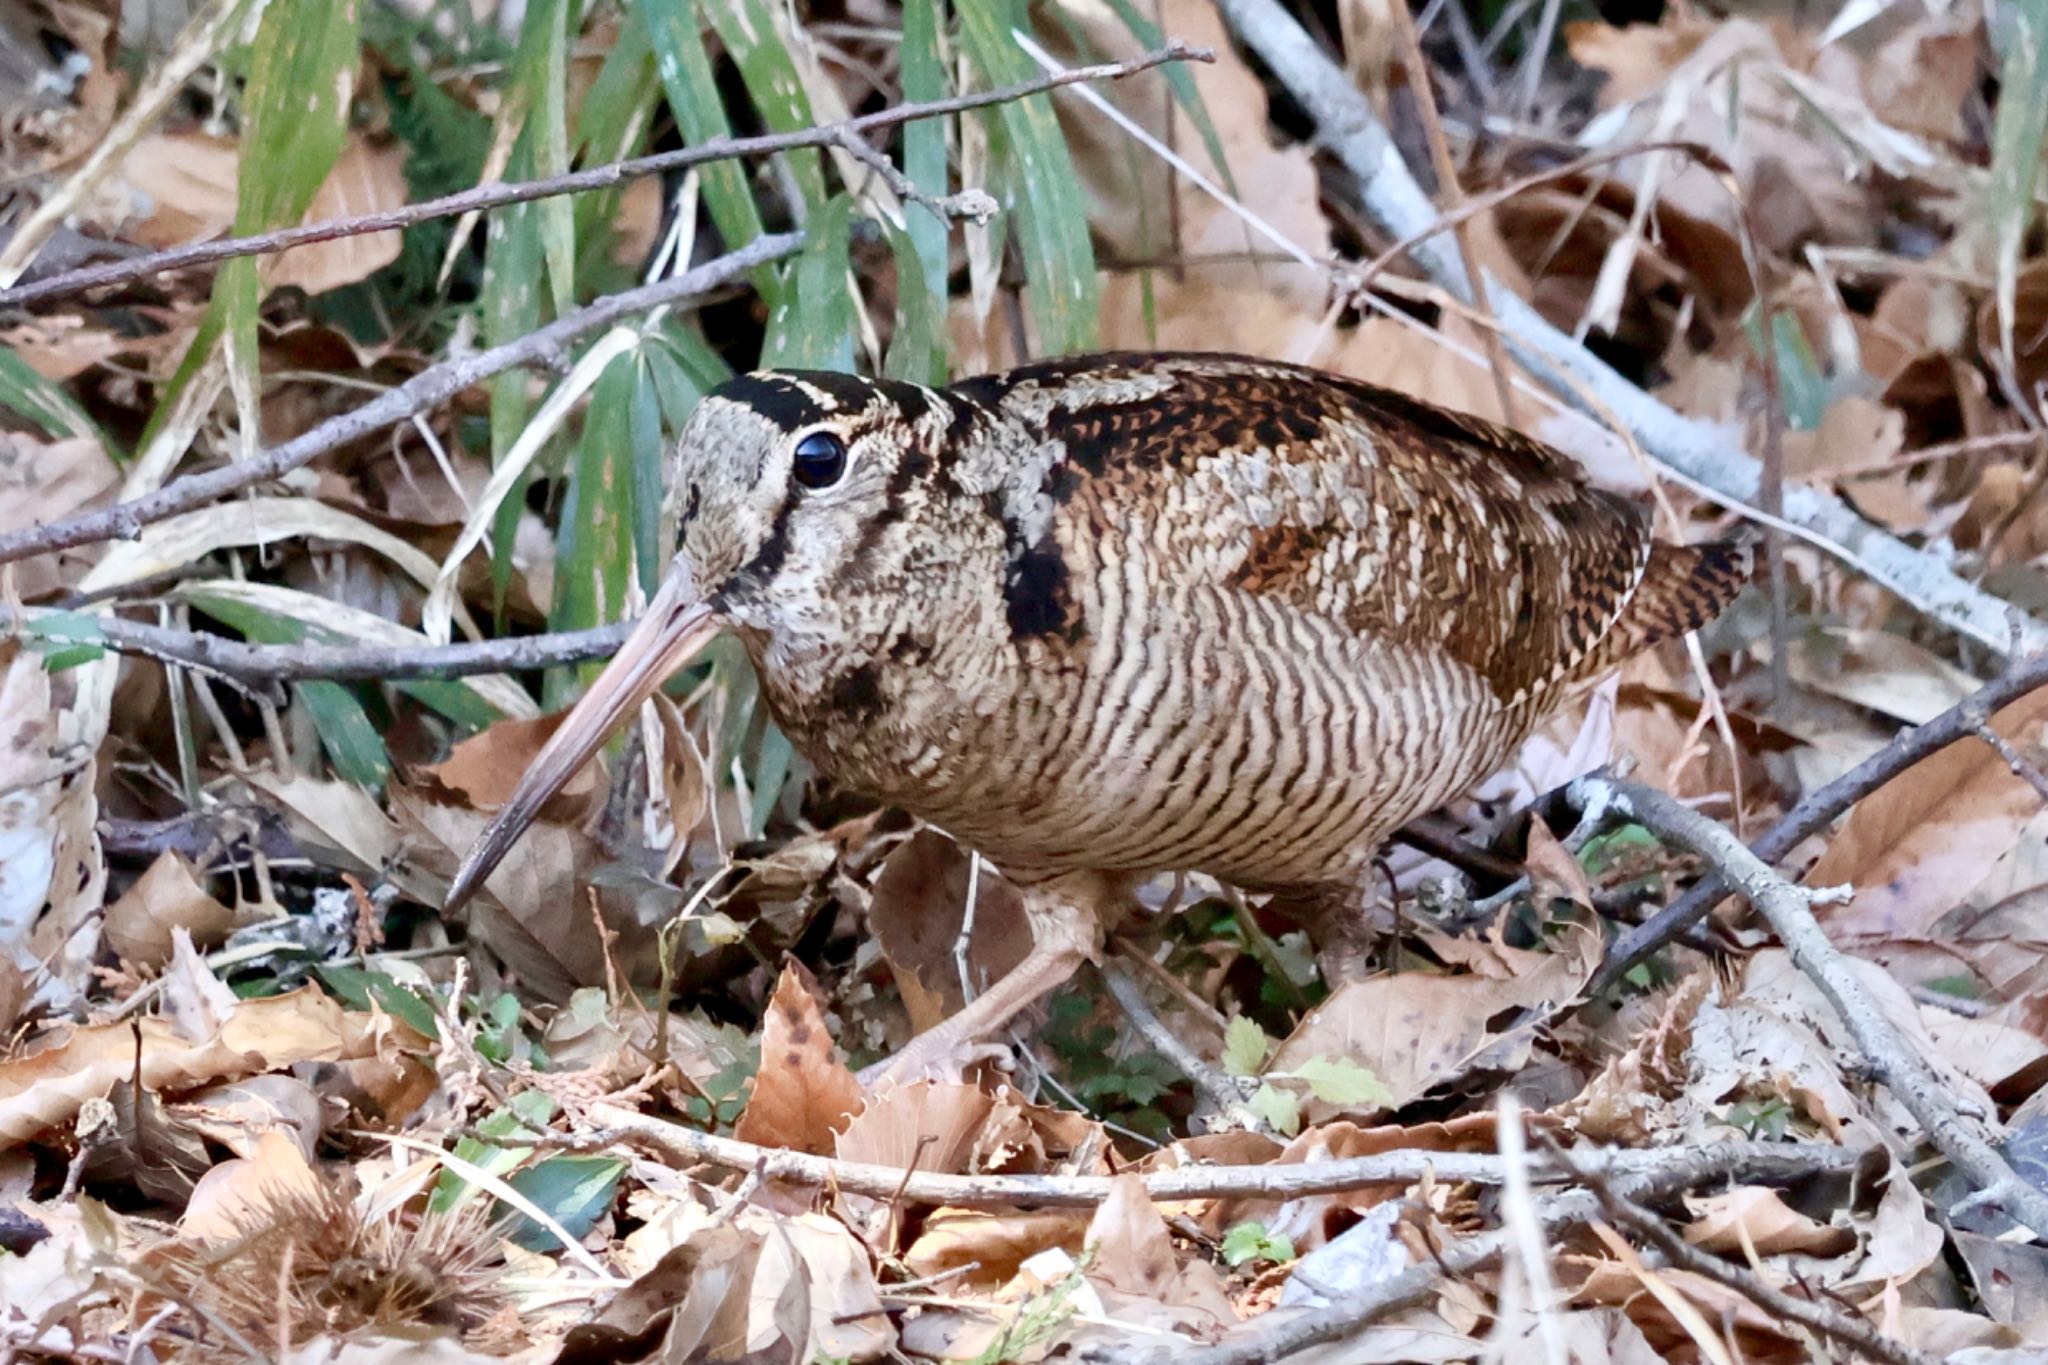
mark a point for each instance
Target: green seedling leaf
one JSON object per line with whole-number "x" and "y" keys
{"x": 1245, "y": 1047}
{"x": 1251, "y": 1242}
{"x": 1339, "y": 1080}
{"x": 529, "y": 1111}
{"x": 573, "y": 1190}
{"x": 1279, "y": 1108}
{"x": 357, "y": 988}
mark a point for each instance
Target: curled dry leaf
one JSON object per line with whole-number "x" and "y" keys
{"x": 165, "y": 898}
{"x": 1138, "y": 1272}
{"x": 803, "y": 1093}
{"x": 45, "y": 1088}
{"x": 366, "y": 178}
{"x": 245, "y": 1191}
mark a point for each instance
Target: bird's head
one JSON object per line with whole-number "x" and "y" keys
{"x": 796, "y": 489}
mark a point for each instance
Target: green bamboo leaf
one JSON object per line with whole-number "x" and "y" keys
{"x": 924, "y": 149}
{"x": 692, "y": 91}
{"x": 917, "y": 347}
{"x": 612, "y": 123}
{"x": 541, "y": 85}
{"x": 595, "y": 555}
{"x": 751, "y": 33}
{"x": 295, "y": 108}
{"x": 812, "y": 327}
{"x": 1181, "y": 81}
{"x": 1052, "y": 214}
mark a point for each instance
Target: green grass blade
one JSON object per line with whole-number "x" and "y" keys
{"x": 295, "y": 110}
{"x": 1181, "y": 81}
{"x": 917, "y": 347}
{"x": 1051, "y": 212}
{"x": 353, "y": 743}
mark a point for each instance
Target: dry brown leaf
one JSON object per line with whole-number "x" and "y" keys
{"x": 1855, "y": 434}
{"x": 919, "y": 904}
{"x": 847, "y": 1321}
{"x": 166, "y": 897}
{"x": 183, "y": 185}
{"x": 1877, "y": 670}
{"x": 484, "y": 769}
{"x": 1138, "y": 1272}
{"x": 365, "y": 179}
{"x": 803, "y": 1093}
{"x": 1916, "y": 847}
{"x": 245, "y": 1192}
{"x": 239, "y": 1114}
{"x": 338, "y": 822}
{"x": 1414, "y": 1029}
{"x": 43, "y": 481}
{"x": 1722, "y": 1222}
{"x": 44, "y": 1088}
{"x": 980, "y": 1248}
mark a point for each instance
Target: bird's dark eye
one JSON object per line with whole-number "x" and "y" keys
{"x": 820, "y": 460}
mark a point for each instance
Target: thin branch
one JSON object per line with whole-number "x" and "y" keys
{"x": 1893, "y": 1061}
{"x": 1821, "y": 808}
{"x": 1830, "y": 1322}
{"x": 1221, "y": 1091}
{"x": 259, "y": 666}
{"x": 1280, "y": 1333}
{"x": 1347, "y": 125}
{"x": 595, "y": 178}
{"x": 1775, "y": 1161}
{"x": 430, "y": 387}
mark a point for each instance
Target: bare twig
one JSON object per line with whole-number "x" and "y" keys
{"x": 2024, "y": 768}
{"x": 258, "y": 666}
{"x": 430, "y": 387}
{"x": 1821, "y": 808}
{"x": 1830, "y": 1322}
{"x": 1893, "y": 1061}
{"x": 1221, "y": 1091}
{"x": 595, "y": 178}
{"x": 618, "y": 1125}
{"x": 1278, "y": 1334}
{"x": 1348, "y": 126}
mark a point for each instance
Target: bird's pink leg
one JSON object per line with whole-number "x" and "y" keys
{"x": 1066, "y": 930}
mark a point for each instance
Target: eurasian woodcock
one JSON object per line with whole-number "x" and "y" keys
{"x": 1115, "y": 615}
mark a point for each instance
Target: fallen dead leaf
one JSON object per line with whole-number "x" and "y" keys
{"x": 46, "y": 1087}
{"x": 1757, "y": 1218}
{"x": 1413, "y": 1029}
{"x": 803, "y": 1094}
{"x": 166, "y": 897}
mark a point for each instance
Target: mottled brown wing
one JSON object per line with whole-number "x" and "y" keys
{"x": 1415, "y": 524}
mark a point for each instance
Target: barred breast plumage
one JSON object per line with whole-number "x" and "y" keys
{"x": 1112, "y": 615}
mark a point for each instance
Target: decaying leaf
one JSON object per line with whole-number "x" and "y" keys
{"x": 803, "y": 1094}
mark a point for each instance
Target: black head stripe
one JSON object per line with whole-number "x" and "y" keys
{"x": 782, "y": 399}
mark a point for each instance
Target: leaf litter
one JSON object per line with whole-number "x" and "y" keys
{"x": 210, "y": 1043}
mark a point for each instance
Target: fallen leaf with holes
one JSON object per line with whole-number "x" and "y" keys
{"x": 804, "y": 1093}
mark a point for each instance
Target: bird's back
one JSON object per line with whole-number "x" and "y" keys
{"x": 1251, "y": 617}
